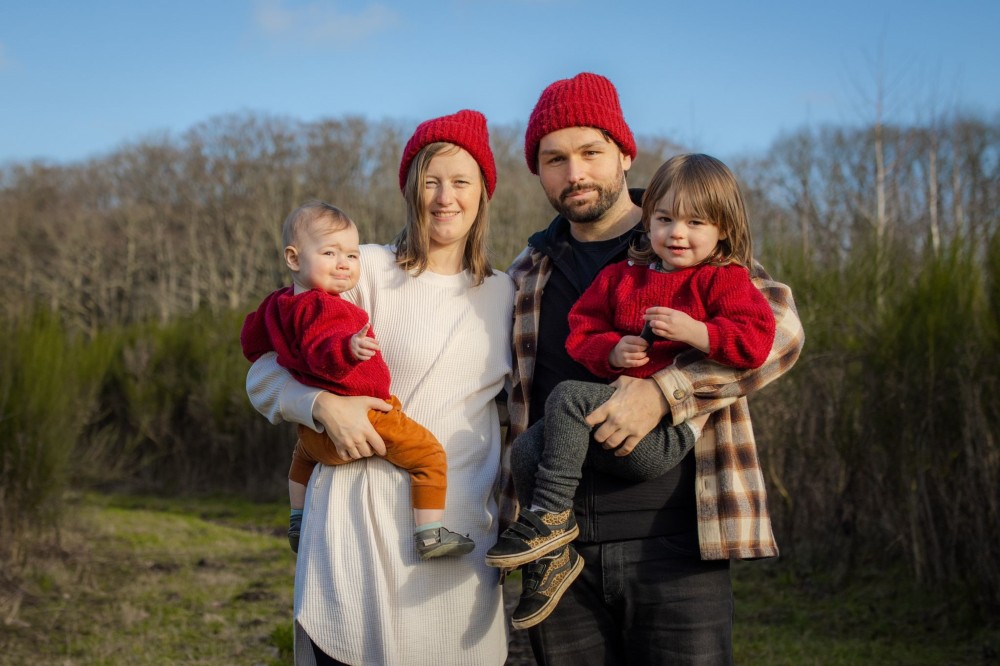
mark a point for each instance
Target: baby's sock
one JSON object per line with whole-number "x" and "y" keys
{"x": 428, "y": 526}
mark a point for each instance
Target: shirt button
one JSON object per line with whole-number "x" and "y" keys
{"x": 679, "y": 394}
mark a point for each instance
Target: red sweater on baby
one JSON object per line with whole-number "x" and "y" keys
{"x": 739, "y": 320}
{"x": 311, "y": 332}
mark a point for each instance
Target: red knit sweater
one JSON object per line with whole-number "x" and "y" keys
{"x": 740, "y": 322}
{"x": 311, "y": 332}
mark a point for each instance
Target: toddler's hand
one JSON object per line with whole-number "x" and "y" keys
{"x": 679, "y": 326}
{"x": 630, "y": 352}
{"x": 362, "y": 346}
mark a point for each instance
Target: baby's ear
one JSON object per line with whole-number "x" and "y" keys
{"x": 292, "y": 258}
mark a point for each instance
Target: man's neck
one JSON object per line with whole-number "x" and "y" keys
{"x": 619, "y": 219}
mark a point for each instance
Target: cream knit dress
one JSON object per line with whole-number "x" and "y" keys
{"x": 361, "y": 592}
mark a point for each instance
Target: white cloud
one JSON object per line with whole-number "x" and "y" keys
{"x": 321, "y": 24}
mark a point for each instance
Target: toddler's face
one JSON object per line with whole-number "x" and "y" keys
{"x": 679, "y": 238}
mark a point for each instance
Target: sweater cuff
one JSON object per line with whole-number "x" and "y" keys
{"x": 296, "y": 401}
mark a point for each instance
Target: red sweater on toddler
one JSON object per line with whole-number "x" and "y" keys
{"x": 739, "y": 320}
{"x": 311, "y": 332}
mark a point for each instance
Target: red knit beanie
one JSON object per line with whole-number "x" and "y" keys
{"x": 586, "y": 100}
{"x": 466, "y": 129}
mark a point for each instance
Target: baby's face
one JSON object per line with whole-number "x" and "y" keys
{"x": 329, "y": 260}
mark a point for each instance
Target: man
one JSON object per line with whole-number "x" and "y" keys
{"x": 655, "y": 584}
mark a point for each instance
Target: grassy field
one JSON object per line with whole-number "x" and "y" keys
{"x": 156, "y": 581}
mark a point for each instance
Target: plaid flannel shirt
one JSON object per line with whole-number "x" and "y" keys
{"x": 733, "y": 520}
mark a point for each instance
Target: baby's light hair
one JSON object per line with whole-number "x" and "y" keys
{"x": 705, "y": 188}
{"x": 309, "y": 214}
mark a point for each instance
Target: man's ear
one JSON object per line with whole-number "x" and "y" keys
{"x": 292, "y": 258}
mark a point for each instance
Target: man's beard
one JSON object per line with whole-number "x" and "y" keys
{"x": 591, "y": 212}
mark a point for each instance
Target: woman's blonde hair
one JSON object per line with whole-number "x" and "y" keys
{"x": 704, "y": 188}
{"x": 413, "y": 242}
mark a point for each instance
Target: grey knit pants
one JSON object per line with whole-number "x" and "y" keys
{"x": 547, "y": 459}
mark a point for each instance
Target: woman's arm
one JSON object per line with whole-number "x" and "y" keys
{"x": 279, "y": 397}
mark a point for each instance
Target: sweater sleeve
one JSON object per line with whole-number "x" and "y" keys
{"x": 278, "y": 396}
{"x": 253, "y": 335}
{"x": 740, "y": 322}
{"x": 592, "y": 333}
{"x": 694, "y": 385}
{"x": 324, "y": 333}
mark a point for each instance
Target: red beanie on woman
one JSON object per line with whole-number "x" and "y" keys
{"x": 466, "y": 129}
{"x": 586, "y": 100}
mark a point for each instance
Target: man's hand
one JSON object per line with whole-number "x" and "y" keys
{"x": 362, "y": 346}
{"x": 345, "y": 419}
{"x": 630, "y": 352}
{"x": 633, "y": 410}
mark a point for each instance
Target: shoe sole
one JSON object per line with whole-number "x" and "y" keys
{"x": 455, "y": 549}
{"x": 517, "y": 559}
{"x": 546, "y": 610}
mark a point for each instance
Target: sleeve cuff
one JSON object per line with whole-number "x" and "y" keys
{"x": 678, "y": 391}
{"x": 296, "y": 404}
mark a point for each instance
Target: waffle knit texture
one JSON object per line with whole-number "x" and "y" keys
{"x": 586, "y": 100}
{"x": 360, "y": 590}
{"x": 739, "y": 321}
{"x": 466, "y": 129}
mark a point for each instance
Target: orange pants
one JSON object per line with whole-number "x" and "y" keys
{"x": 408, "y": 445}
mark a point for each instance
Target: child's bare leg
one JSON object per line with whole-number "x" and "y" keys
{"x": 296, "y": 494}
{"x": 297, "y": 500}
{"x": 422, "y": 517}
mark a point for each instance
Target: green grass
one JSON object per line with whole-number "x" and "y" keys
{"x": 177, "y": 583}
{"x": 142, "y": 580}
{"x": 880, "y": 617}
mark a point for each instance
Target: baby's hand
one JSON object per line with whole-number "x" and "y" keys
{"x": 362, "y": 346}
{"x": 630, "y": 352}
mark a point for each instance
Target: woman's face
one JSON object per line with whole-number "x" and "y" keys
{"x": 451, "y": 192}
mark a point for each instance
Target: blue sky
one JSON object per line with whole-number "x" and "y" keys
{"x": 78, "y": 79}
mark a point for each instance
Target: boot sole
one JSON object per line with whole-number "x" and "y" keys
{"x": 550, "y": 605}
{"x": 517, "y": 559}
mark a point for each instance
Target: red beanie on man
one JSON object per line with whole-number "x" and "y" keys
{"x": 466, "y": 129}
{"x": 586, "y": 100}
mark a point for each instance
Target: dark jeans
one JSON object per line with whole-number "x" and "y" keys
{"x": 644, "y": 601}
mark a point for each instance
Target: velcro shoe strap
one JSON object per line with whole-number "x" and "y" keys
{"x": 532, "y": 519}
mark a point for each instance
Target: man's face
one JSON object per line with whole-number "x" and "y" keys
{"x": 582, "y": 172}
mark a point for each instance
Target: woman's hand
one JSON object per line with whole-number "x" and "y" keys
{"x": 633, "y": 410}
{"x": 345, "y": 419}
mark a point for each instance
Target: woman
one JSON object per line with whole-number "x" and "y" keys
{"x": 443, "y": 321}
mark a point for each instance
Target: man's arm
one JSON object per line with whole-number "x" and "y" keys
{"x": 693, "y": 385}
